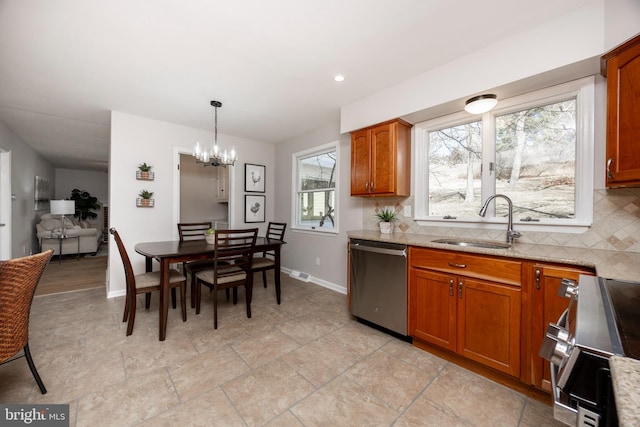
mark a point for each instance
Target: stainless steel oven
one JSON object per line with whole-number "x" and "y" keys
{"x": 602, "y": 319}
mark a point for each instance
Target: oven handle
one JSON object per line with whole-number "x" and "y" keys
{"x": 561, "y": 411}
{"x": 562, "y": 322}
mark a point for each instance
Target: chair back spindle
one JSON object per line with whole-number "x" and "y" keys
{"x": 193, "y": 230}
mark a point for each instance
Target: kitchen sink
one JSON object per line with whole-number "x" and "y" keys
{"x": 474, "y": 243}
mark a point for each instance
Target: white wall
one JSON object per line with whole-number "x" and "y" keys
{"x": 621, "y": 18}
{"x": 25, "y": 164}
{"x": 574, "y": 38}
{"x": 302, "y": 248}
{"x": 568, "y": 39}
{"x": 135, "y": 140}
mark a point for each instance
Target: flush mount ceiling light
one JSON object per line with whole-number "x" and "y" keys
{"x": 480, "y": 104}
{"x": 212, "y": 156}
{"x": 339, "y": 78}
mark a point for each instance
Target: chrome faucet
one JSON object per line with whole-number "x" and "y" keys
{"x": 511, "y": 233}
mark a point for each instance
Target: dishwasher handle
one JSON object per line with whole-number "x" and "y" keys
{"x": 366, "y": 248}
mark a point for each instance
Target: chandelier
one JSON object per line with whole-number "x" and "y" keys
{"x": 212, "y": 155}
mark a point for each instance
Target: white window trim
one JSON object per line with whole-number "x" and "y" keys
{"x": 331, "y": 146}
{"x": 584, "y": 91}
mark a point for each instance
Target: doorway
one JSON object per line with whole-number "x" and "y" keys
{"x": 203, "y": 193}
{"x": 5, "y": 205}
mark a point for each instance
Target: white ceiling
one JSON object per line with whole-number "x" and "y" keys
{"x": 65, "y": 64}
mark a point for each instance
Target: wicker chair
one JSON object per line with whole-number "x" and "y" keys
{"x": 18, "y": 280}
{"x": 266, "y": 262}
{"x": 145, "y": 283}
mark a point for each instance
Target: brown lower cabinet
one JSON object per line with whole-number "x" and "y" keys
{"x": 477, "y": 318}
{"x": 491, "y": 310}
{"x": 547, "y": 307}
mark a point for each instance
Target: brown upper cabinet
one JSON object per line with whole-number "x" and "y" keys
{"x": 381, "y": 160}
{"x": 621, "y": 67}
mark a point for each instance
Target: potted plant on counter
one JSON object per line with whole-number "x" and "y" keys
{"x": 386, "y": 217}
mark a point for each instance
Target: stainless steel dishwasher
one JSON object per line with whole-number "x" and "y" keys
{"x": 379, "y": 283}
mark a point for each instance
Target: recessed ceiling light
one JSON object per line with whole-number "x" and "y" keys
{"x": 339, "y": 78}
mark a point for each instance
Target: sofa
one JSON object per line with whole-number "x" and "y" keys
{"x": 89, "y": 235}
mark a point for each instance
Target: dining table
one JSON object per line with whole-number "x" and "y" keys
{"x": 175, "y": 251}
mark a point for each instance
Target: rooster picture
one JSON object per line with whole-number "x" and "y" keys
{"x": 255, "y": 178}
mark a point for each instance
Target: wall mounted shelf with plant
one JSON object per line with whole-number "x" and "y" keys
{"x": 145, "y": 200}
{"x": 144, "y": 172}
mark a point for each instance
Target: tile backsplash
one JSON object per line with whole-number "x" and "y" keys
{"x": 616, "y": 223}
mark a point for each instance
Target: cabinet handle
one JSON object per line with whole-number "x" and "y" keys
{"x": 453, "y": 264}
{"x": 371, "y": 186}
{"x": 538, "y": 278}
{"x": 450, "y": 287}
{"x": 609, "y": 162}
{"x": 460, "y": 288}
{"x": 366, "y": 185}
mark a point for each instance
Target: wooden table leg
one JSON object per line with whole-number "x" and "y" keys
{"x": 164, "y": 297}
{"x": 249, "y": 292}
{"x": 276, "y": 274}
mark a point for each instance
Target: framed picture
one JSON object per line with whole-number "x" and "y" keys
{"x": 254, "y": 176}
{"x": 253, "y": 208}
{"x": 41, "y": 193}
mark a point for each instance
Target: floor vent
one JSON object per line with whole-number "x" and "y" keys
{"x": 300, "y": 275}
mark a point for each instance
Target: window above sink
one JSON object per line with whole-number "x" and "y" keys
{"x": 535, "y": 148}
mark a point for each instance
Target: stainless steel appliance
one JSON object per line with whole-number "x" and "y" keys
{"x": 602, "y": 319}
{"x": 379, "y": 284}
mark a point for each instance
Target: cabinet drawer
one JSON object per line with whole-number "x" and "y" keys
{"x": 477, "y": 266}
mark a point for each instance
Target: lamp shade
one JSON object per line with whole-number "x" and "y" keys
{"x": 63, "y": 207}
{"x": 481, "y": 104}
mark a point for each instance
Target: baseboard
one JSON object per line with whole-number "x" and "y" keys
{"x": 318, "y": 281}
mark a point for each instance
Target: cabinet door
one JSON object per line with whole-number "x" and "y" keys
{"x": 223, "y": 184}
{"x": 432, "y": 308}
{"x": 623, "y": 117}
{"x": 383, "y": 158}
{"x": 360, "y": 162}
{"x": 489, "y": 324}
{"x": 547, "y": 308}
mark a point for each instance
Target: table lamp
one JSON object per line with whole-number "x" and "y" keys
{"x": 62, "y": 208}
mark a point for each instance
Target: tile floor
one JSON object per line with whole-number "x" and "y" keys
{"x": 303, "y": 363}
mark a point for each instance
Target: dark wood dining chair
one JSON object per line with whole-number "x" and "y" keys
{"x": 194, "y": 231}
{"x": 19, "y": 278}
{"x": 231, "y": 268}
{"x": 145, "y": 283}
{"x": 275, "y": 231}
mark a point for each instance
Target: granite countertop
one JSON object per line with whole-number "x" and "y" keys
{"x": 610, "y": 264}
{"x": 625, "y": 375}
